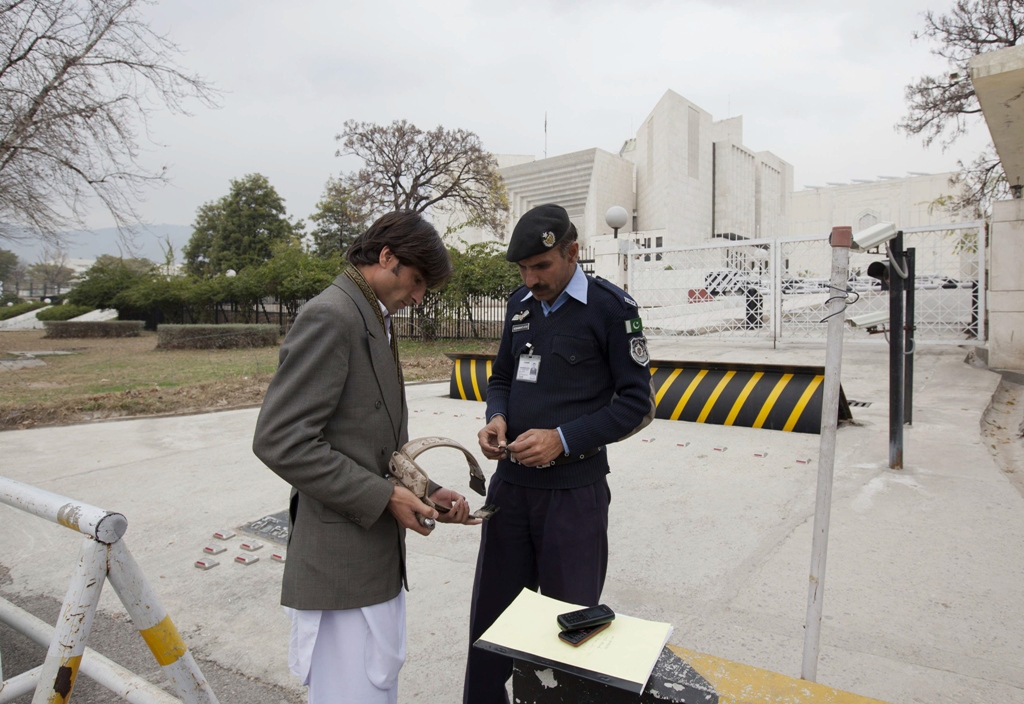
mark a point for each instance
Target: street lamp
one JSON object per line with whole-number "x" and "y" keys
{"x": 616, "y": 217}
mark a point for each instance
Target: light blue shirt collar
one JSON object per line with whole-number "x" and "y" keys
{"x": 576, "y": 288}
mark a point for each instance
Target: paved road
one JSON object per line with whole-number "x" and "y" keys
{"x": 923, "y": 600}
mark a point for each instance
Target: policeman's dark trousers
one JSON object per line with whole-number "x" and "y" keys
{"x": 552, "y": 539}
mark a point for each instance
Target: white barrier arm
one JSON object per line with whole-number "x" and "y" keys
{"x": 104, "y": 526}
{"x": 102, "y": 670}
{"x": 15, "y": 687}
{"x": 64, "y": 656}
{"x": 156, "y": 627}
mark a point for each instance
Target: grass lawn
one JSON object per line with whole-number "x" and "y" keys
{"x": 129, "y": 376}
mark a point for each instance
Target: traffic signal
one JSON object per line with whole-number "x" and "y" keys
{"x": 880, "y": 271}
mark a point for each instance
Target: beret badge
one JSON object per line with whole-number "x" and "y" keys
{"x": 549, "y": 239}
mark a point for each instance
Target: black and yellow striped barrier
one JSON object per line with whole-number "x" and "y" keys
{"x": 774, "y": 397}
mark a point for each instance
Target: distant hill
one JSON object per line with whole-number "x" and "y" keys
{"x": 149, "y": 242}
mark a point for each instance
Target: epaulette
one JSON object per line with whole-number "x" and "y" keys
{"x": 512, "y": 295}
{"x": 620, "y": 295}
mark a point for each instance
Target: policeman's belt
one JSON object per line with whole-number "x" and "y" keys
{"x": 562, "y": 459}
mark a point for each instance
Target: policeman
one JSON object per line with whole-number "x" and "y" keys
{"x": 571, "y": 376}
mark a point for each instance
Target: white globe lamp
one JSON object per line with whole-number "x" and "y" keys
{"x": 616, "y": 217}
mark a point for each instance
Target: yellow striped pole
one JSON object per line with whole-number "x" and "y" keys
{"x": 156, "y": 628}
{"x": 64, "y": 656}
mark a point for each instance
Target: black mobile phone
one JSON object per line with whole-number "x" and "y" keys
{"x": 586, "y": 618}
{"x": 579, "y": 635}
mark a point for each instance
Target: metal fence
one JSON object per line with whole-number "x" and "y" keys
{"x": 776, "y": 289}
{"x": 477, "y": 317}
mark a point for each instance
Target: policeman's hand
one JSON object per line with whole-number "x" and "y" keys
{"x": 492, "y": 438}
{"x": 535, "y": 448}
{"x": 459, "y": 512}
{"x": 404, "y": 506}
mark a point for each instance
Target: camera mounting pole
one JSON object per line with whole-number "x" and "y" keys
{"x": 897, "y": 349}
{"x": 841, "y": 239}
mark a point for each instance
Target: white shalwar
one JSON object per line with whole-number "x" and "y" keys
{"x": 350, "y": 656}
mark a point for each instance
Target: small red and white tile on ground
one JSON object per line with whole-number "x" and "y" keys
{"x": 278, "y": 556}
{"x": 251, "y": 545}
{"x": 246, "y": 559}
{"x": 206, "y": 563}
{"x": 224, "y": 534}
{"x": 214, "y": 549}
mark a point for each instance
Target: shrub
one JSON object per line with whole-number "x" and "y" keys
{"x": 205, "y": 337}
{"x": 8, "y": 312}
{"x": 93, "y": 328}
{"x": 64, "y": 312}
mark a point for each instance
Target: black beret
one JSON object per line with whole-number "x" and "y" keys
{"x": 538, "y": 231}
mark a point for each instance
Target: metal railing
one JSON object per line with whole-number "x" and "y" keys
{"x": 103, "y": 556}
{"x": 777, "y": 289}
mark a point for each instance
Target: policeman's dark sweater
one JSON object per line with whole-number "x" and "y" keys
{"x": 588, "y": 385}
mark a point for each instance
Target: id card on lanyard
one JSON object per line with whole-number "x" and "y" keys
{"x": 529, "y": 366}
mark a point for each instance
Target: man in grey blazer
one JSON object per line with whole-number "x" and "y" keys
{"x": 332, "y": 416}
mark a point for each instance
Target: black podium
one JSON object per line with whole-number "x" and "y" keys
{"x": 673, "y": 680}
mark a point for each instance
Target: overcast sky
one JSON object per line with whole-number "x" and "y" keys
{"x": 819, "y": 83}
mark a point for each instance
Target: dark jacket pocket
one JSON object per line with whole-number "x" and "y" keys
{"x": 573, "y": 349}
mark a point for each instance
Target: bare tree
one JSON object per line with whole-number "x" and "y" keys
{"x": 941, "y": 107}
{"x": 52, "y": 269}
{"x": 405, "y": 168}
{"x": 79, "y": 80}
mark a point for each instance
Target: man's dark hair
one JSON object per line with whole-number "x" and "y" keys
{"x": 570, "y": 237}
{"x": 412, "y": 239}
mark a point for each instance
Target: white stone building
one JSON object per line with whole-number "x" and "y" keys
{"x": 912, "y": 201}
{"x": 685, "y": 178}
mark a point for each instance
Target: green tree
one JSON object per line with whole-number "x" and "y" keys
{"x": 294, "y": 275}
{"x": 339, "y": 219}
{"x": 106, "y": 278}
{"x": 8, "y": 263}
{"x": 480, "y": 270}
{"x": 942, "y": 106}
{"x": 405, "y": 168}
{"x": 239, "y": 230}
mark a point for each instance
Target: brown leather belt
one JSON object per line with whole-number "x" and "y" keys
{"x": 563, "y": 458}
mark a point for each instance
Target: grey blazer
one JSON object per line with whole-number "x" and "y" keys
{"x": 334, "y": 413}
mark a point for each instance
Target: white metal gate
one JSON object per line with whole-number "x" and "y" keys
{"x": 777, "y": 289}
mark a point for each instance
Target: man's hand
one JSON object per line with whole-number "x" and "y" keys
{"x": 492, "y": 438}
{"x": 536, "y": 448}
{"x": 459, "y": 512}
{"x": 404, "y": 506}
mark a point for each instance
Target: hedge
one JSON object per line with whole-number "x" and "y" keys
{"x": 63, "y": 312}
{"x": 205, "y": 337}
{"x": 93, "y": 328}
{"x": 17, "y": 309}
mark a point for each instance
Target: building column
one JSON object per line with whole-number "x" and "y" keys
{"x": 1006, "y": 286}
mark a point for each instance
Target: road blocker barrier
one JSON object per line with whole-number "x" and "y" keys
{"x": 103, "y": 555}
{"x": 769, "y": 396}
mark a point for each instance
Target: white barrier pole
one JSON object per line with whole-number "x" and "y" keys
{"x": 156, "y": 627}
{"x": 842, "y": 238}
{"x": 22, "y": 684}
{"x": 57, "y": 678}
{"x": 104, "y": 526}
{"x": 105, "y": 672}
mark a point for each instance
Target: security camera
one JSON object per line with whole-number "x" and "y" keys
{"x": 871, "y": 237}
{"x": 869, "y": 320}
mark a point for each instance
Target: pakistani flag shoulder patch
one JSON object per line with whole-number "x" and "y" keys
{"x": 634, "y": 325}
